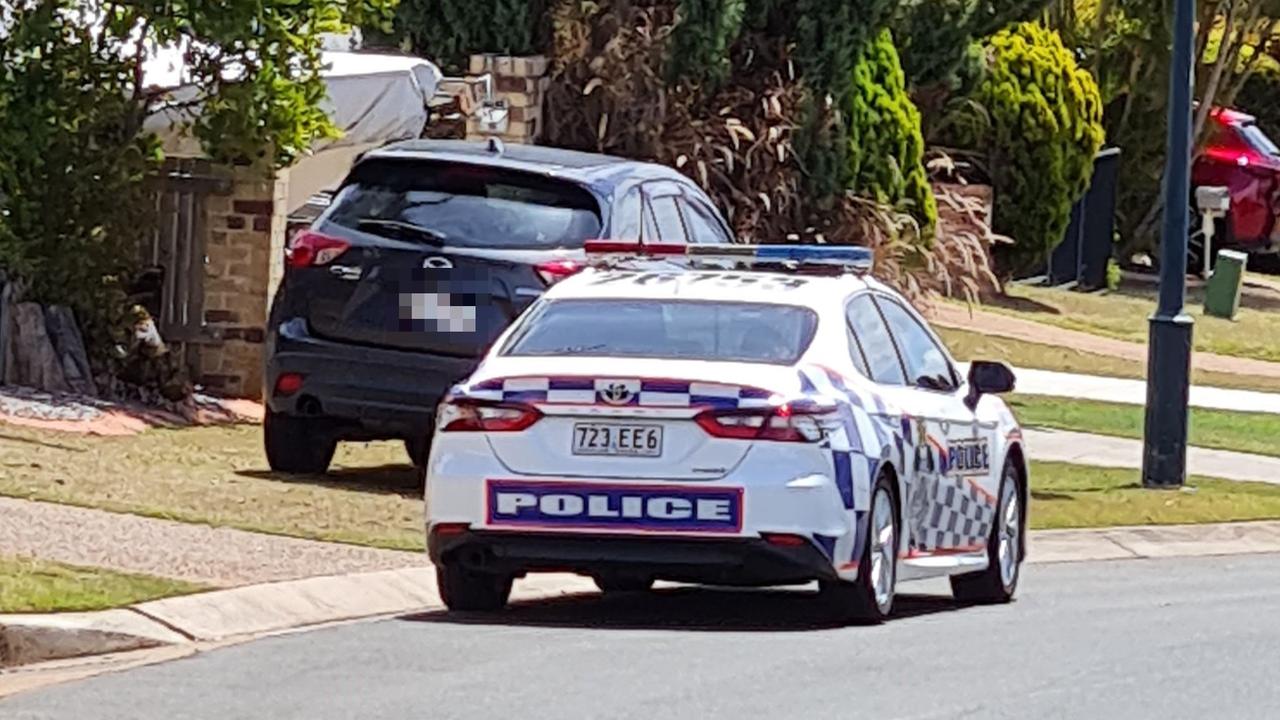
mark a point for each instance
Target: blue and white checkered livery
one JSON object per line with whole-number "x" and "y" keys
{"x": 751, "y": 415}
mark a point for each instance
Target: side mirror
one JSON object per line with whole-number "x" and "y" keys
{"x": 987, "y": 378}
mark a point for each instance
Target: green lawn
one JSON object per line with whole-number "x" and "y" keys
{"x": 1255, "y": 333}
{"x": 219, "y": 476}
{"x": 1079, "y": 496}
{"x": 967, "y": 345}
{"x": 1257, "y": 433}
{"x": 34, "y": 586}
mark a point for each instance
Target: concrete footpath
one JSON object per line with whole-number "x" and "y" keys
{"x": 195, "y": 621}
{"x": 1134, "y": 392}
{"x": 1106, "y": 451}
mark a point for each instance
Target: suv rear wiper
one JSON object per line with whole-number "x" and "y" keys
{"x": 401, "y": 229}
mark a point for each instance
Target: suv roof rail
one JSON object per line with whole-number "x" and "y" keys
{"x": 830, "y": 259}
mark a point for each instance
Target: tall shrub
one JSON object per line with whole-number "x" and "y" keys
{"x": 886, "y": 149}
{"x": 702, "y": 37}
{"x": 448, "y": 31}
{"x": 1046, "y": 127}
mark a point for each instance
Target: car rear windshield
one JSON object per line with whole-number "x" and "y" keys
{"x": 667, "y": 329}
{"x": 466, "y": 205}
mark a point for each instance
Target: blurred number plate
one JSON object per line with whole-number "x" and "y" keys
{"x": 617, "y": 439}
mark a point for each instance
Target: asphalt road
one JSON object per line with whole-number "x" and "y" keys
{"x": 1189, "y": 638}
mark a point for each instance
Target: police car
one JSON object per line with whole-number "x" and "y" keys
{"x": 728, "y": 415}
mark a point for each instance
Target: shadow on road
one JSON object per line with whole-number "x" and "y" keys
{"x": 391, "y": 479}
{"x": 686, "y": 609}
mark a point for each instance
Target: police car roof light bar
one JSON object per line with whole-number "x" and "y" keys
{"x": 844, "y": 257}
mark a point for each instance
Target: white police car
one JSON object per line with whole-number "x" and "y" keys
{"x": 761, "y": 416}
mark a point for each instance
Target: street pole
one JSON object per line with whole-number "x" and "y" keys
{"x": 1164, "y": 457}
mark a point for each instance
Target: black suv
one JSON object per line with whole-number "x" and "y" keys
{"x": 427, "y": 252}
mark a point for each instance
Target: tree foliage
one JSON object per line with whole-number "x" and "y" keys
{"x": 700, "y": 43}
{"x": 448, "y": 31}
{"x": 933, "y": 35}
{"x": 1046, "y": 128}
{"x": 74, "y": 155}
{"x": 886, "y": 149}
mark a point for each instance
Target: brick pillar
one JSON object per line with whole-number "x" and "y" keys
{"x": 243, "y": 264}
{"x": 521, "y": 82}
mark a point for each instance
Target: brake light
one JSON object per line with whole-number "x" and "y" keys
{"x": 553, "y": 271}
{"x": 464, "y": 415}
{"x": 312, "y": 249}
{"x": 781, "y": 424}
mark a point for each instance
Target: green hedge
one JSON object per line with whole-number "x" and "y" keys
{"x": 448, "y": 31}
{"x": 1260, "y": 97}
{"x": 886, "y": 150}
{"x": 1046, "y": 128}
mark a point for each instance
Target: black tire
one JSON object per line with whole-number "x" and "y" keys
{"x": 622, "y": 583}
{"x": 417, "y": 451}
{"x": 468, "y": 591}
{"x": 857, "y": 601}
{"x": 298, "y": 446}
{"x": 998, "y": 583}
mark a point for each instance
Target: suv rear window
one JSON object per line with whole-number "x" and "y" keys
{"x": 1258, "y": 140}
{"x": 667, "y": 329}
{"x": 465, "y": 206}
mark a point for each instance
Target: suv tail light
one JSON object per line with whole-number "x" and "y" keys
{"x": 785, "y": 423}
{"x": 312, "y": 249}
{"x": 463, "y": 415}
{"x": 553, "y": 271}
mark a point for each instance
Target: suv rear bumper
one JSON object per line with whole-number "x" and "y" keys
{"x": 368, "y": 393}
{"x": 738, "y": 561}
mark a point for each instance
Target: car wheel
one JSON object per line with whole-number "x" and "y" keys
{"x": 622, "y": 583}
{"x": 417, "y": 451}
{"x": 296, "y": 445}
{"x": 869, "y": 598}
{"x": 465, "y": 590}
{"x": 999, "y": 582}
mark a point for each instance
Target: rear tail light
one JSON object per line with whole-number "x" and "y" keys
{"x": 312, "y": 249}
{"x": 784, "y": 540}
{"x": 553, "y": 271}
{"x": 782, "y": 424}
{"x": 464, "y": 415}
{"x": 288, "y": 383}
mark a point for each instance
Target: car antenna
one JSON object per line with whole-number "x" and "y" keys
{"x": 496, "y": 147}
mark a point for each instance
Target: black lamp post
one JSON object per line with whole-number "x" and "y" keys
{"x": 1164, "y": 458}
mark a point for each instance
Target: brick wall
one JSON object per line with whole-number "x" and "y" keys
{"x": 244, "y": 250}
{"x": 521, "y": 82}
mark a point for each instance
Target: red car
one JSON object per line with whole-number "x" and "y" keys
{"x": 1238, "y": 155}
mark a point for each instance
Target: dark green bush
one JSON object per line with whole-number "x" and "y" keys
{"x": 1260, "y": 97}
{"x": 448, "y": 31}
{"x": 700, "y": 42}
{"x": 1046, "y": 128}
{"x": 886, "y": 150}
{"x": 933, "y": 35}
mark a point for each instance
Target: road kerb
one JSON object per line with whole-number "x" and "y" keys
{"x": 267, "y": 608}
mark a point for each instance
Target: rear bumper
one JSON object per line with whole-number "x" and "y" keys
{"x": 738, "y": 561}
{"x": 371, "y": 392}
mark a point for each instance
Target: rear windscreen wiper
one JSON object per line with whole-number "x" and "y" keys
{"x": 402, "y": 230}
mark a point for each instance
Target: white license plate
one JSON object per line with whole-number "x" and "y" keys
{"x": 617, "y": 439}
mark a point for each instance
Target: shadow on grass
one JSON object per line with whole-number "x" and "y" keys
{"x": 1020, "y": 304}
{"x": 389, "y": 479}
{"x": 1044, "y": 495}
{"x": 689, "y": 609}
{"x": 41, "y": 443}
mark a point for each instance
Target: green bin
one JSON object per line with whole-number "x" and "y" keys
{"x": 1222, "y": 294}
